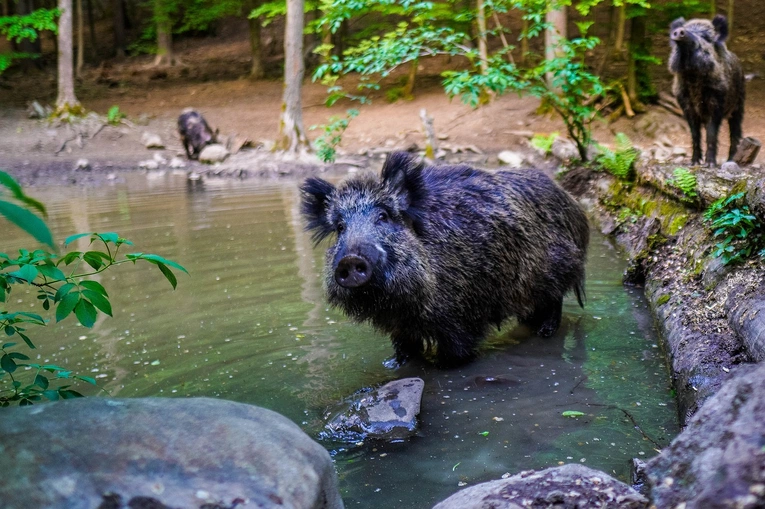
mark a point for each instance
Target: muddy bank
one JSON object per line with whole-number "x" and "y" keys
{"x": 708, "y": 312}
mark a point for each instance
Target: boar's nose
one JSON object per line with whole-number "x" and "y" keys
{"x": 678, "y": 34}
{"x": 353, "y": 271}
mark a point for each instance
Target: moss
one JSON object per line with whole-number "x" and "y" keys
{"x": 662, "y": 300}
{"x": 646, "y": 202}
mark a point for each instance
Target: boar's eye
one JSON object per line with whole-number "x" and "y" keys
{"x": 340, "y": 227}
{"x": 383, "y": 216}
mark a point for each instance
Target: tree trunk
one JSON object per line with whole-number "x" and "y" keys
{"x": 524, "y": 40}
{"x": 164, "y": 44}
{"x": 66, "y": 100}
{"x": 80, "y": 39}
{"x": 292, "y": 136}
{"x": 257, "y": 69}
{"x": 730, "y": 16}
{"x": 637, "y": 47}
{"x": 408, "y": 91}
{"x": 557, "y": 31}
{"x": 480, "y": 19}
{"x": 92, "y": 29}
{"x": 119, "y": 28}
{"x": 620, "y": 25}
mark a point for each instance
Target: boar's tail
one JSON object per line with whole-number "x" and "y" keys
{"x": 581, "y": 298}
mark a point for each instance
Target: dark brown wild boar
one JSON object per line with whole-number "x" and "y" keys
{"x": 709, "y": 82}
{"x": 435, "y": 255}
{"x": 195, "y": 133}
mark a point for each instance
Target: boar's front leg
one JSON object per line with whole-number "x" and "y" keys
{"x": 695, "y": 125}
{"x": 734, "y": 122}
{"x": 407, "y": 346}
{"x": 546, "y": 318}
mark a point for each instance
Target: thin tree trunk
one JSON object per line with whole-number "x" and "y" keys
{"x": 292, "y": 136}
{"x": 483, "y": 53}
{"x": 713, "y": 7}
{"x": 524, "y": 40}
{"x": 620, "y": 25}
{"x": 66, "y": 100}
{"x": 257, "y": 69}
{"x": 164, "y": 44}
{"x": 119, "y": 28}
{"x": 408, "y": 90}
{"x": 730, "y": 15}
{"x": 557, "y": 31}
{"x": 92, "y": 29}
{"x": 80, "y": 39}
{"x": 636, "y": 48}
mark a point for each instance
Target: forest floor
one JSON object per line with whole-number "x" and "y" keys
{"x": 213, "y": 81}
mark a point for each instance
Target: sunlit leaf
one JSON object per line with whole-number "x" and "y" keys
{"x": 27, "y": 221}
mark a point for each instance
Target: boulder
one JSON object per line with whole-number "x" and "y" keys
{"x": 389, "y": 412}
{"x": 567, "y": 486}
{"x": 510, "y": 158}
{"x": 215, "y": 153}
{"x": 564, "y": 149}
{"x": 718, "y": 461}
{"x": 151, "y": 140}
{"x": 160, "y": 453}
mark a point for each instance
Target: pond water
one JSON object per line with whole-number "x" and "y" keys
{"x": 250, "y": 324}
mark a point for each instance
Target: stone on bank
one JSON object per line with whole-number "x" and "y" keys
{"x": 168, "y": 453}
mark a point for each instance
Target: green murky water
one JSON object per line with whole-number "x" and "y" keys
{"x": 251, "y": 325}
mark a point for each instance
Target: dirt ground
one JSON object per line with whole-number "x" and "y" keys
{"x": 213, "y": 80}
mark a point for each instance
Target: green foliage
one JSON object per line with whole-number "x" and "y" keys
{"x": 684, "y": 180}
{"x": 544, "y": 143}
{"x": 114, "y": 116}
{"x": 662, "y": 300}
{"x": 62, "y": 287}
{"x": 326, "y": 144}
{"x": 430, "y": 29}
{"x": 739, "y": 233}
{"x": 18, "y": 28}
{"x": 619, "y": 162}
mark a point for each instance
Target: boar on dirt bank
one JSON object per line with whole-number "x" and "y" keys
{"x": 435, "y": 255}
{"x": 195, "y": 133}
{"x": 708, "y": 84}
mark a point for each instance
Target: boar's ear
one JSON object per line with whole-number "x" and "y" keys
{"x": 315, "y": 198}
{"x": 402, "y": 175}
{"x": 720, "y": 23}
{"x": 676, "y": 24}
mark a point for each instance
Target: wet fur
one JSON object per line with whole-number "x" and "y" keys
{"x": 464, "y": 249}
{"x": 708, "y": 83}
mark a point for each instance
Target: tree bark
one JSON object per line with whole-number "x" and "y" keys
{"x": 524, "y": 40}
{"x": 620, "y": 25}
{"x": 80, "y": 39}
{"x": 558, "y": 20}
{"x": 119, "y": 28}
{"x": 66, "y": 99}
{"x": 480, "y": 19}
{"x": 730, "y": 16}
{"x": 92, "y": 29}
{"x": 163, "y": 16}
{"x": 636, "y": 47}
{"x": 292, "y": 137}
{"x": 257, "y": 69}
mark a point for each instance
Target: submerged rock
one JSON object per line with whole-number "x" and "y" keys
{"x": 568, "y": 486}
{"x": 157, "y": 452}
{"x": 719, "y": 460}
{"x": 389, "y": 412}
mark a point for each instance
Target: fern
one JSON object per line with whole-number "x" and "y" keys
{"x": 619, "y": 162}
{"x": 738, "y": 232}
{"x": 685, "y": 181}
{"x": 544, "y": 143}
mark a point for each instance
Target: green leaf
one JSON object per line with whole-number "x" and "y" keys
{"x": 18, "y": 193}
{"x": 27, "y": 221}
{"x": 8, "y": 345}
{"x": 108, "y": 237}
{"x": 99, "y": 301}
{"x": 63, "y": 291}
{"x": 67, "y": 305}
{"x": 96, "y": 259}
{"x": 168, "y": 274}
{"x": 10, "y": 330}
{"x": 74, "y": 237}
{"x": 19, "y": 356}
{"x": 7, "y": 363}
{"x": 41, "y": 381}
{"x": 69, "y": 394}
{"x": 91, "y": 381}
{"x": 94, "y": 286}
{"x": 156, "y": 259}
{"x": 51, "y": 272}
{"x": 86, "y": 313}
{"x": 70, "y": 257}
{"x": 26, "y": 272}
{"x": 51, "y": 394}
{"x": 572, "y": 413}
{"x": 26, "y": 340}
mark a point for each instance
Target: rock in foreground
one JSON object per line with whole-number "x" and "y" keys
{"x": 568, "y": 486}
{"x": 174, "y": 453}
{"x": 719, "y": 460}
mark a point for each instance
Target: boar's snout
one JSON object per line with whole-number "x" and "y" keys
{"x": 678, "y": 34}
{"x": 353, "y": 271}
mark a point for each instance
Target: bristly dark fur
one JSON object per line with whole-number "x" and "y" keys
{"x": 453, "y": 250}
{"x": 195, "y": 133}
{"x": 709, "y": 82}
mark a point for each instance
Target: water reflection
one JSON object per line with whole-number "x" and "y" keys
{"x": 251, "y": 325}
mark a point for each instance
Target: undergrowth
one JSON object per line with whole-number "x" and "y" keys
{"x": 739, "y": 234}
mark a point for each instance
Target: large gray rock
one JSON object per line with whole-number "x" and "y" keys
{"x": 215, "y": 153}
{"x": 564, "y": 149}
{"x": 178, "y": 453}
{"x": 389, "y": 412}
{"x": 719, "y": 460}
{"x": 569, "y": 486}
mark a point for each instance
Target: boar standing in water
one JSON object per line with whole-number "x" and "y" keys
{"x": 435, "y": 255}
{"x": 195, "y": 133}
{"x": 709, "y": 82}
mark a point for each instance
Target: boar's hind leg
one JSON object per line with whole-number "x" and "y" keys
{"x": 734, "y": 122}
{"x": 545, "y": 319}
{"x": 455, "y": 347}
